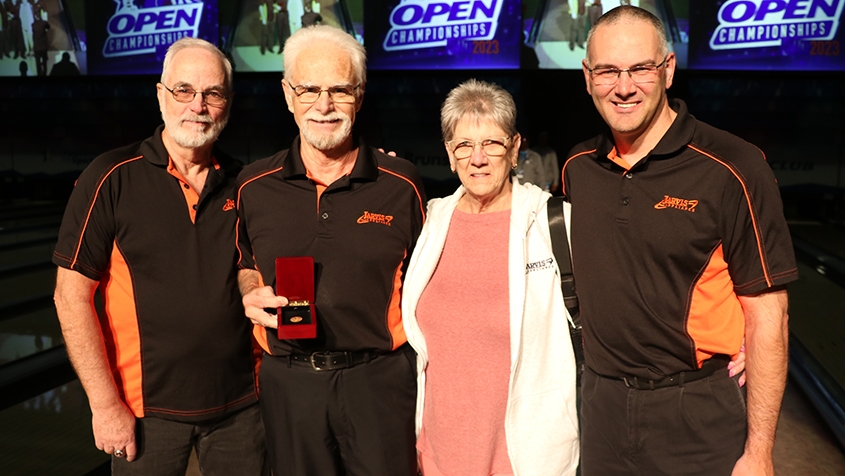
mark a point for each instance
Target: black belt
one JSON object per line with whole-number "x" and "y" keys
{"x": 334, "y": 360}
{"x": 708, "y": 368}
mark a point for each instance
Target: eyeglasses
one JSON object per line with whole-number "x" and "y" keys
{"x": 492, "y": 147}
{"x": 644, "y": 73}
{"x": 338, "y": 94}
{"x": 186, "y": 95}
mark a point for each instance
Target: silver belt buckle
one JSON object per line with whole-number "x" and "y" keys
{"x": 314, "y": 363}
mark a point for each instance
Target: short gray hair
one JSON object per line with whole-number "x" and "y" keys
{"x": 629, "y": 13}
{"x": 480, "y": 100}
{"x": 188, "y": 42}
{"x": 316, "y": 34}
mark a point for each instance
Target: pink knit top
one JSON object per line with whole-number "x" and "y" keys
{"x": 464, "y": 316}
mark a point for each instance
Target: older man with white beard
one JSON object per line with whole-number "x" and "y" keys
{"x": 341, "y": 402}
{"x": 168, "y": 365}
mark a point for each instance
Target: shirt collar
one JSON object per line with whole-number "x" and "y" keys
{"x": 676, "y": 138}
{"x": 365, "y": 168}
{"x": 155, "y": 152}
{"x": 679, "y": 134}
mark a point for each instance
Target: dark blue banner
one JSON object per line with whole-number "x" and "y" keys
{"x": 439, "y": 34}
{"x": 132, "y": 36}
{"x": 766, "y": 35}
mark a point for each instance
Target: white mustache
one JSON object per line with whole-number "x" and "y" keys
{"x": 331, "y": 116}
{"x": 194, "y": 118}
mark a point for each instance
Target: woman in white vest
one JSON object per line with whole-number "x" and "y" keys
{"x": 483, "y": 308}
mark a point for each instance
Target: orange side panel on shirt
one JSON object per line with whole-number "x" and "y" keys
{"x": 123, "y": 336}
{"x": 715, "y": 321}
{"x": 260, "y": 332}
{"x": 394, "y": 310}
{"x": 257, "y": 358}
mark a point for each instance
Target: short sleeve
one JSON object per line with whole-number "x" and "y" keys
{"x": 86, "y": 235}
{"x": 758, "y": 246}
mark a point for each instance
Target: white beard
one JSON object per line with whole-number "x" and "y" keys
{"x": 326, "y": 141}
{"x": 194, "y": 139}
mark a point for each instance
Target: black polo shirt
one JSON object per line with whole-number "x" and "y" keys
{"x": 661, "y": 251}
{"x": 175, "y": 330}
{"x": 360, "y": 231}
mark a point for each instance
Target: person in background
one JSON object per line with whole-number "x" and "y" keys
{"x": 579, "y": 26}
{"x": 529, "y": 166}
{"x": 552, "y": 169}
{"x": 65, "y": 67}
{"x": 310, "y": 17}
{"x": 4, "y": 31}
{"x": 41, "y": 30}
{"x": 594, "y": 12}
{"x": 280, "y": 8}
{"x": 483, "y": 308}
{"x": 15, "y": 33}
{"x": 266, "y": 15}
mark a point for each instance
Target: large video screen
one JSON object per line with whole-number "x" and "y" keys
{"x": 766, "y": 35}
{"x": 784, "y": 35}
{"x": 263, "y": 26}
{"x": 38, "y": 39}
{"x": 556, "y": 30}
{"x": 132, "y": 36}
{"x": 442, "y": 34}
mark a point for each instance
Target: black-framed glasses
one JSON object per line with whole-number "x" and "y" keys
{"x": 641, "y": 74}
{"x": 338, "y": 94}
{"x": 491, "y": 146}
{"x": 186, "y": 95}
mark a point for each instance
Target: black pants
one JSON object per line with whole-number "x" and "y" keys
{"x": 354, "y": 422}
{"x": 697, "y": 429}
{"x": 233, "y": 445}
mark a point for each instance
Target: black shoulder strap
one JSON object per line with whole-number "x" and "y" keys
{"x": 560, "y": 246}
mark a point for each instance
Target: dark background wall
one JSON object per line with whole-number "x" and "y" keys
{"x": 52, "y": 127}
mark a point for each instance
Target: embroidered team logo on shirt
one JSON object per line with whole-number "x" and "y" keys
{"x": 368, "y": 217}
{"x": 679, "y": 203}
{"x": 547, "y": 263}
{"x": 230, "y": 205}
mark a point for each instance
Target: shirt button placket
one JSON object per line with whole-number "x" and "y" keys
{"x": 625, "y": 195}
{"x": 323, "y": 215}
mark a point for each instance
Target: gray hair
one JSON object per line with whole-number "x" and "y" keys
{"x": 188, "y": 42}
{"x": 480, "y": 100}
{"x": 630, "y": 14}
{"x": 316, "y": 34}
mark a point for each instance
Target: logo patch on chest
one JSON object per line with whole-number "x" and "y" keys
{"x": 230, "y": 205}
{"x": 678, "y": 203}
{"x": 368, "y": 217}
{"x": 539, "y": 265}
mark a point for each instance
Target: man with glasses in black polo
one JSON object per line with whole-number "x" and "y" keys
{"x": 680, "y": 251}
{"x": 168, "y": 366}
{"x": 341, "y": 400}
